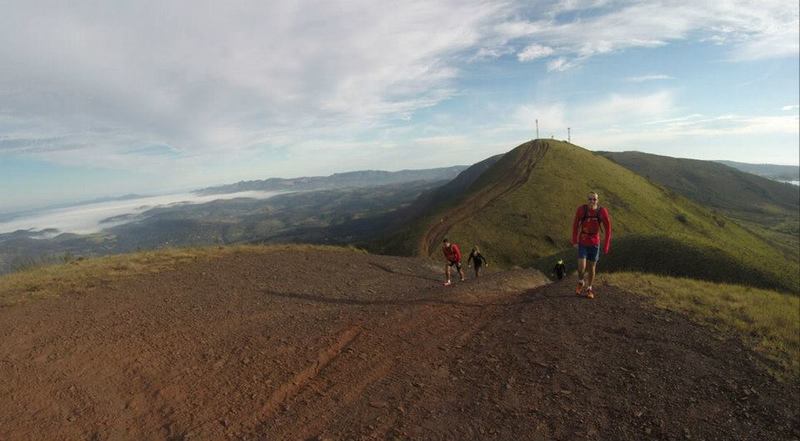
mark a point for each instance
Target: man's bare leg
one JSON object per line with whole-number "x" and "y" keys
{"x": 447, "y": 272}
{"x": 581, "y": 274}
{"x": 461, "y": 273}
{"x": 591, "y": 270}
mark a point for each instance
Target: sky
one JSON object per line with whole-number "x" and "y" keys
{"x": 103, "y": 98}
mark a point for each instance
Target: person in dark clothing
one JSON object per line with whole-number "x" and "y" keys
{"x": 560, "y": 270}
{"x": 476, "y": 258}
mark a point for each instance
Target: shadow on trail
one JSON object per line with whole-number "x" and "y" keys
{"x": 540, "y": 294}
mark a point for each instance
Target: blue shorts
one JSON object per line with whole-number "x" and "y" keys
{"x": 590, "y": 253}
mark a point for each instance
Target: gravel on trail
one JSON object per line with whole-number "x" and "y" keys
{"x": 320, "y": 345}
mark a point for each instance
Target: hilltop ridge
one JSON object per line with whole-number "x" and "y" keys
{"x": 520, "y": 208}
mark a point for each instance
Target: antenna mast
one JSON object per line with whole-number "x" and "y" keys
{"x": 569, "y": 135}
{"x": 537, "y": 129}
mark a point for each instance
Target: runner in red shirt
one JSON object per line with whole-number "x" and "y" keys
{"x": 453, "y": 255}
{"x": 589, "y": 220}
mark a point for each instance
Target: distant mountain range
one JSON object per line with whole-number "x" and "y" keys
{"x": 339, "y": 209}
{"x": 714, "y": 183}
{"x": 681, "y": 217}
{"x": 365, "y": 178}
{"x": 771, "y": 171}
{"x": 765, "y": 206}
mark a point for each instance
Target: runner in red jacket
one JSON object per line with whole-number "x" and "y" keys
{"x": 589, "y": 220}
{"x": 453, "y": 255}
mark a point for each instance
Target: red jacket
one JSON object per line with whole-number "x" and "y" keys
{"x": 590, "y": 230}
{"x": 453, "y": 254}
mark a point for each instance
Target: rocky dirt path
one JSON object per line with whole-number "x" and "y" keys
{"x": 328, "y": 345}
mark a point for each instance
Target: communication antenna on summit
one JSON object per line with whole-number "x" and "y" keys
{"x": 537, "y": 129}
{"x": 569, "y": 135}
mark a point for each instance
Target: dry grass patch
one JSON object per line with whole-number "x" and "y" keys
{"x": 768, "y": 321}
{"x": 82, "y": 275}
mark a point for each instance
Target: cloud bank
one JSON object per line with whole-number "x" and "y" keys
{"x": 149, "y": 85}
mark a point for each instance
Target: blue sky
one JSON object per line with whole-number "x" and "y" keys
{"x": 104, "y": 98}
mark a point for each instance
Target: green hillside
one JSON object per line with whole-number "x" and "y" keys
{"x": 520, "y": 210}
{"x": 768, "y": 208}
{"x": 679, "y": 257}
{"x": 713, "y": 184}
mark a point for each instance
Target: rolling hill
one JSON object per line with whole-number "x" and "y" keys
{"x": 771, "y": 171}
{"x": 767, "y": 207}
{"x": 714, "y": 184}
{"x": 519, "y": 209}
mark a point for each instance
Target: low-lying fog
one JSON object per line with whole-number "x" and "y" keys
{"x": 88, "y": 218}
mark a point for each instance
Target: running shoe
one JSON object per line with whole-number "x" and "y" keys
{"x": 579, "y": 288}
{"x": 590, "y": 293}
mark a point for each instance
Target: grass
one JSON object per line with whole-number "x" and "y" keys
{"x": 533, "y": 220}
{"x": 714, "y": 184}
{"x": 679, "y": 257}
{"x": 82, "y": 275}
{"x": 767, "y": 208}
{"x": 768, "y": 321}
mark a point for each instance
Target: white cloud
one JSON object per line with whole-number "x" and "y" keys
{"x": 210, "y": 79}
{"x": 560, "y": 64}
{"x": 791, "y": 107}
{"x": 621, "y": 109}
{"x": 753, "y": 30}
{"x": 533, "y": 52}
{"x": 220, "y": 85}
{"x": 487, "y": 53}
{"x": 635, "y": 120}
{"x": 651, "y": 77}
{"x": 732, "y": 137}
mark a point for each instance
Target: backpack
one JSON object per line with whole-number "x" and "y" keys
{"x": 586, "y": 216}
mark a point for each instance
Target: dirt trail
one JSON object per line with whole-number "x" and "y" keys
{"x": 431, "y": 240}
{"x": 326, "y": 345}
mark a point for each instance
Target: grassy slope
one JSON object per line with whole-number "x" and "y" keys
{"x": 684, "y": 257}
{"x": 409, "y": 223}
{"x": 534, "y": 220}
{"x": 768, "y": 321}
{"x": 769, "y": 208}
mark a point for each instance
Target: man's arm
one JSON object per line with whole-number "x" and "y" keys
{"x": 575, "y": 224}
{"x": 606, "y": 219}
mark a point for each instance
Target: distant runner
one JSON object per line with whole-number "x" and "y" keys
{"x": 560, "y": 270}
{"x": 589, "y": 219}
{"x": 453, "y": 256}
{"x": 477, "y": 259}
